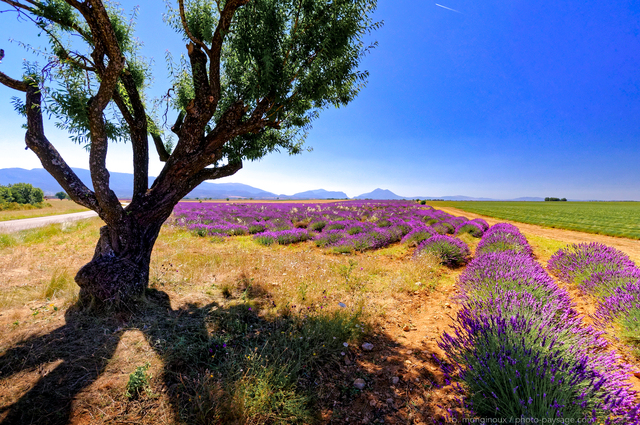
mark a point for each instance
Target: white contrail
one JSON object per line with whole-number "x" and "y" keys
{"x": 448, "y": 8}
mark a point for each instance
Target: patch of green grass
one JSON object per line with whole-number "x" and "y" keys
{"x": 61, "y": 285}
{"x": 41, "y": 234}
{"x": 261, "y": 370}
{"x": 544, "y": 247}
{"x": 51, "y": 207}
{"x": 606, "y": 218}
{"x": 7, "y": 240}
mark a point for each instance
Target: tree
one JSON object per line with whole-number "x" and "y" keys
{"x": 25, "y": 193}
{"x": 256, "y": 73}
{"x": 61, "y": 195}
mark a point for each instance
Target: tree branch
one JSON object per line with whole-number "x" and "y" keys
{"x": 49, "y": 156}
{"x": 217, "y": 172}
{"x": 14, "y": 84}
{"x": 226, "y": 15}
{"x": 183, "y": 20}
{"x": 139, "y": 138}
{"x": 106, "y": 42}
{"x": 162, "y": 151}
{"x": 198, "y": 62}
{"x": 20, "y": 6}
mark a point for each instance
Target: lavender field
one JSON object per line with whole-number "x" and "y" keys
{"x": 341, "y": 227}
{"x": 517, "y": 348}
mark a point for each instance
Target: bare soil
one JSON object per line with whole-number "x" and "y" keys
{"x": 403, "y": 380}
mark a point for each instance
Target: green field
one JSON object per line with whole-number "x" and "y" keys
{"x": 605, "y": 218}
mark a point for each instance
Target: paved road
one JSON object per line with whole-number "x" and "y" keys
{"x": 30, "y": 223}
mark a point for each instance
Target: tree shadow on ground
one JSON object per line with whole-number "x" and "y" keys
{"x": 233, "y": 363}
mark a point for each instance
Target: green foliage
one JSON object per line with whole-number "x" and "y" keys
{"x": 21, "y": 193}
{"x": 302, "y": 56}
{"x": 630, "y": 328}
{"x": 317, "y": 226}
{"x": 5, "y": 195}
{"x": 265, "y": 240}
{"x": 288, "y": 59}
{"x": 62, "y": 195}
{"x": 138, "y": 382}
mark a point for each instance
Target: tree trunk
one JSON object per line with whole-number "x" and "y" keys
{"x": 118, "y": 274}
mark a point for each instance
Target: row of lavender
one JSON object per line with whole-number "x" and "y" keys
{"x": 611, "y": 278}
{"x": 341, "y": 226}
{"x": 520, "y": 348}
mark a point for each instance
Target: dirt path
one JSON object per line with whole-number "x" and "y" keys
{"x": 31, "y": 223}
{"x": 630, "y": 247}
{"x": 404, "y": 383}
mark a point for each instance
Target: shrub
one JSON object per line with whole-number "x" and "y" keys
{"x": 504, "y": 237}
{"x": 138, "y": 381}
{"x": 417, "y": 235}
{"x": 373, "y": 239}
{"x": 317, "y": 226}
{"x": 256, "y": 228}
{"x": 266, "y": 238}
{"x": 482, "y": 223}
{"x": 514, "y": 366}
{"x": 470, "y": 227}
{"x": 604, "y": 283}
{"x": 577, "y": 262}
{"x": 494, "y": 272}
{"x": 282, "y": 237}
{"x": 622, "y": 307}
{"x": 451, "y": 251}
{"x": 443, "y": 228}
{"x": 328, "y": 238}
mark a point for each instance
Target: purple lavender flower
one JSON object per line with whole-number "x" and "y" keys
{"x": 575, "y": 263}
{"x": 517, "y": 336}
{"x": 471, "y": 227}
{"x": 503, "y": 237}
{"x": 451, "y": 251}
{"x": 417, "y": 235}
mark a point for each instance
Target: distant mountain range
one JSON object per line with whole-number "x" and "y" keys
{"x": 122, "y": 185}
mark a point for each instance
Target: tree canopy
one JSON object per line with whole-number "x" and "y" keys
{"x": 256, "y": 73}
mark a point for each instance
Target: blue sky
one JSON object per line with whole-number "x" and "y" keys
{"x": 500, "y": 99}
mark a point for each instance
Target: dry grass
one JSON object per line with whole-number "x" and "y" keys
{"x": 230, "y": 332}
{"x": 202, "y": 291}
{"x": 57, "y": 207}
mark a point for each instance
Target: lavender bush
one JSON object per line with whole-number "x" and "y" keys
{"x": 474, "y": 229}
{"x": 523, "y": 352}
{"x": 612, "y": 279}
{"x": 577, "y": 262}
{"x": 417, "y": 235}
{"x": 482, "y": 223}
{"x": 495, "y": 272}
{"x": 516, "y": 367}
{"x": 503, "y": 237}
{"x": 451, "y": 251}
{"x": 443, "y": 227}
{"x": 282, "y": 237}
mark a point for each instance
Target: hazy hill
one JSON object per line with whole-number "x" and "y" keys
{"x": 122, "y": 185}
{"x": 319, "y": 194}
{"x": 380, "y": 194}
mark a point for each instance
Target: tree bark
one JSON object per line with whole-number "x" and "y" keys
{"x": 118, "y": 274}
